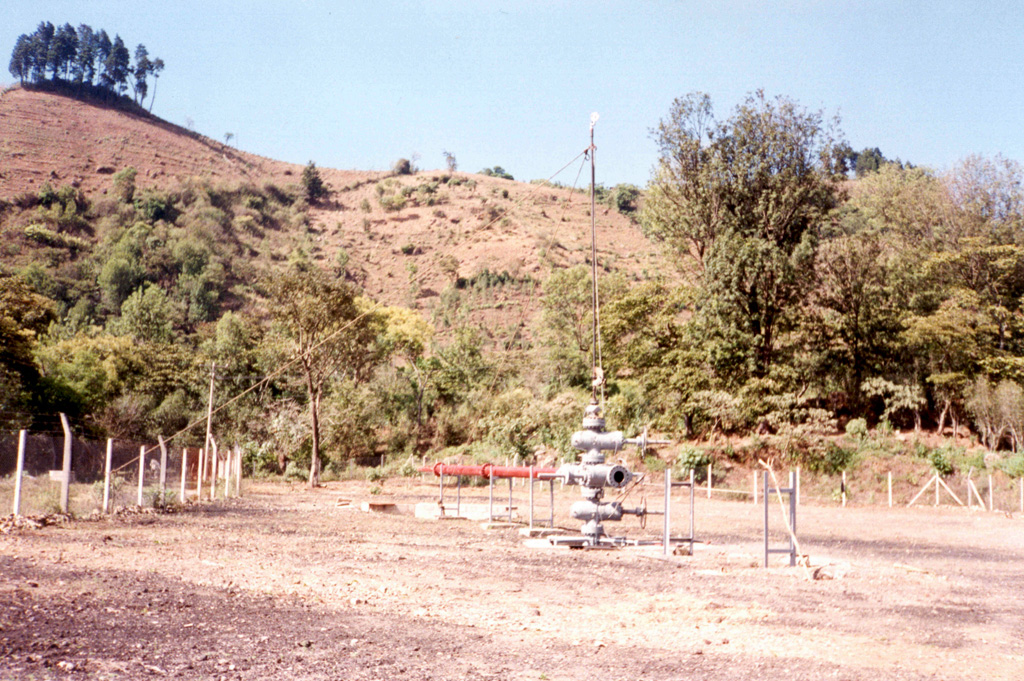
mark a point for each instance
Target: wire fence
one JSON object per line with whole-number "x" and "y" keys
{"x": 139, "y": 475}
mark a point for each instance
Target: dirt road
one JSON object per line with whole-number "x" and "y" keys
{"x": 288, "y": 584}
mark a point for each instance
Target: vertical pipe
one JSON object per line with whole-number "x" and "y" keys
{"x": 184, "y": 469}
{"x": 531, "y": 496}
{"x": 691, "y": 511}
{"x": 551, "y": 487}
{"x": 792, "y": 519}
{"x": 440, "y": 503}
{"x": 665, "y": 520}
{"x": 18, "y": 473}
{"x": 142, "y": 472}
{"x": 65, "y": 483}
{"x": 843, "y": 489}
{"x": 458, "y": 496}
{"x": 766, "y": 493}
{"x": 106, "y": 475}
{"x": 490, "y": 497}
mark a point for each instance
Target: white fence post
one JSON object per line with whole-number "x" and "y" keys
{"x": 163, "y": 470}
{"x": 106, "y": 475}
{"x": 65, "y": 484}
{"x": 199, "y": 475}
{"x": 213, "y": 470}
{"x": 18, "y": 473}
{"x": 142, "y": 471}
{"x": 184, "y": 469}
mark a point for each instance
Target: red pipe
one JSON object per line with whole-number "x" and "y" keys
{"x": 488, "y": 470}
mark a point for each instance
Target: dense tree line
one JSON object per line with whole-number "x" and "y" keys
{"x": 86, "y": 58}
{"x": 895, "y": 298}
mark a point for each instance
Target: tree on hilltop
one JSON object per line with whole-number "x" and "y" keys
{"x": 84, "y": 57}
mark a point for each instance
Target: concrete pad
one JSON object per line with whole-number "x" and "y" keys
{"x": 540, "y": 531}
{"x": 499, "y": 526}
{"x": 379, "y": 507}
{"x": 432, "y": 511}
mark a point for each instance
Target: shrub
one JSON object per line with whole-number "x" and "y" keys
{"x": 1013, "y": 466}
{"x": 403, "y": 166}
{"x": 124, "y": 184}
{"x": 293, "y": 472}
{"x": 693, "y": 459}
{"x": 48, "y": 237}
{"x": 857, "y": 429}
{"x": 941, "y": 462}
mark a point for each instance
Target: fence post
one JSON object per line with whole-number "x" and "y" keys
{"x": 184, "y": 470}
{"x": 20, "y": 469}
{"x": 142, "y": 472}
{"x": 199, "y": 474}
{"x": 213, "y": 469}
{"x": 163, "y": 470}
{"x": 106, "y": 475}
{"x": 65, "y": 484}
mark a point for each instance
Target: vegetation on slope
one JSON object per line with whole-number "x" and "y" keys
{"x": 807, "y": 304}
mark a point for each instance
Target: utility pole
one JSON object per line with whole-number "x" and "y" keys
{"x": 598, "y": 370}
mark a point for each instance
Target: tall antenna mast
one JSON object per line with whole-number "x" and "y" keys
{"x": 598, "y": 369}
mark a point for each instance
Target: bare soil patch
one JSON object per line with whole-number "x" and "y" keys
{"x": 288, "y": 584}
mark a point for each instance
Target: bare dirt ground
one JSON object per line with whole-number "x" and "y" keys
{"x": 289, "y": 584}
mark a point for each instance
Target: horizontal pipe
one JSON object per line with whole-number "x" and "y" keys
{"x": 488, "y": 470}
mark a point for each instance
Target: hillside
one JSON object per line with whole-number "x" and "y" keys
{"x": 488, "y": 225}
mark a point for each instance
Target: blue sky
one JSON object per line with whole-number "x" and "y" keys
{"x": 360, "y": 84}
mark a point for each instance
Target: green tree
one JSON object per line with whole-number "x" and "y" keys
{"x": 141, "y": 69}
{"x": 116, "y": 67}
{"x": 328, "y": 329}
{"x": 84, "y": 67}
{"x": 746, "y": 199}
{"x": 22, "y": 58}
{"x": 41, "y": 40}
{"x": 313, "y": 183}
{"x": 868, "y": 161}
{"x": 568, "y": 322}
{"x": 147, "y": 315}
{"x": 63, "y": 49}
{"x": 24, "y": 315}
